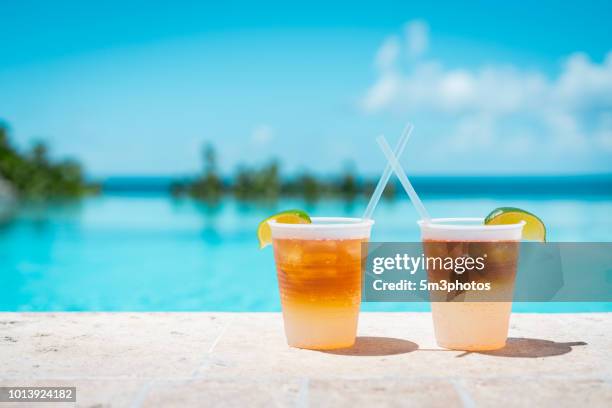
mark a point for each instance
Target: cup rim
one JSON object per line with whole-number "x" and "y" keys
{"x": 330, "y": 223}
{"x": 447, "y": 224}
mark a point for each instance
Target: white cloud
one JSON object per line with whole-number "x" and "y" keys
{"x": 584, "y": 84}
{"x": 603, "y": 132}
{"x": 388, "y": 53}
{"x": 428, "y": 86}
{"x": 571, "y": 110}
{"x": 383, "y": 91}
{"x": 472, "y": 130}
{"x": 417, "y": 37}
{"x": 262, "y": 135}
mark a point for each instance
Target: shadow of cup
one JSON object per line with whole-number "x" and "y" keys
{"x": 376, "y": 346}
{"x": 532, "y": 348}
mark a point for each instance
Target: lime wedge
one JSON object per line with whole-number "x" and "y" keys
{"x": 264, "y": 233}
{"x": 534, "y": 229}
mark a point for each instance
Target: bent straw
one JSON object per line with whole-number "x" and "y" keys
{"x": 401, "y": 174}
{"x": 384, "y": 178}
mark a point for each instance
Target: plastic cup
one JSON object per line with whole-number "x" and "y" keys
{"x": 319, "y": 277}
{"x": 473, "y": 320}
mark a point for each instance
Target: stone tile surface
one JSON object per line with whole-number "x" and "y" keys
{"x": 224, "y": 392}
{"x": 99, "y": 393}
{"x": 545, "y": 346}
{"x": 242, "y": 359}
{"x": 105, "y": 344}
{"x": 540, "y": 392}
{"x": 390, "y": 392}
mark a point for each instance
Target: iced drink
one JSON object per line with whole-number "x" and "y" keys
{"x": 319, "y": 277}
{"x": 472, "y": 319}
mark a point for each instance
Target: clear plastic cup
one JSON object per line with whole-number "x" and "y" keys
{"x": 473, "y": 320}
{"x": 319, "y": 276}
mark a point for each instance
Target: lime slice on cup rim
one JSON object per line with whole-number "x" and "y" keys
{"x": 264, "y": 232}
{"x": 534, "y": 229}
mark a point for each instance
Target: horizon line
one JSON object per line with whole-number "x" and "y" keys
{"x": 178, "y": 177}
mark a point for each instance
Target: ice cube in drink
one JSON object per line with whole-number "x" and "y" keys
{"x": 474, "y": 319}
{"x": 319, "y": 277}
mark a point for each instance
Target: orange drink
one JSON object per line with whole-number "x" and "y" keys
{"x": 472, "y": 320}
{"x": 319, "y": 277}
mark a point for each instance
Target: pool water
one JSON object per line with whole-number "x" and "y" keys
{"x": 155, "y": 253}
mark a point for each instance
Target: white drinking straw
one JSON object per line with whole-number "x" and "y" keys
{"x": 384, "y": 178}
{"x": 401, "y": 174}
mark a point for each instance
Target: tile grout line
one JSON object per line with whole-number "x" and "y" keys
{"x": 466, "y": 399}
{"x": 330, "y": 377}
{"x": 140, "y": 397}
{"x": 221, "y": 334}
{"x": 302, "y": 400}
{"x": 212, "y": 347}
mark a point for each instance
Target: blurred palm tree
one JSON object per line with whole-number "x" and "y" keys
{"x": 348, "y": 185}
{"x": 260, "y": 184}
{"x": 209, "y": 186}
{"x": 264, "y": 183}
{"x": 35, "y": 175}
{"x": 309, "y": 187}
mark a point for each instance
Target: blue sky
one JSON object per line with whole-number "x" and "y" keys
{"x": 138, "y": 88}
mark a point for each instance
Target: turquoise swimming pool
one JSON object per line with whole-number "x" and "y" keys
{"x": 154, "y": 253}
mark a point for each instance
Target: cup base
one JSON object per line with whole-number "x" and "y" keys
{"x": 319, "y": 326}
{"x": 472, "y": 347}
{"x": 471, "y": 326}
{"x": 322, "y": 347}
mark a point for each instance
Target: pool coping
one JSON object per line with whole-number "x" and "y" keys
{"x": 237, "y": 359}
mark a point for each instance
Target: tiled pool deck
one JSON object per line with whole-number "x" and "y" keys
{"x": 208, "y": 359}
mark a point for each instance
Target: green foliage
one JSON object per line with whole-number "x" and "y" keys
{"x": 34, "y": 175}
{"x": 264, "y": 183}
{"x": 209, "y": 187}
{"x": 348, "y": 185}
{"x": 306, "y": 186}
